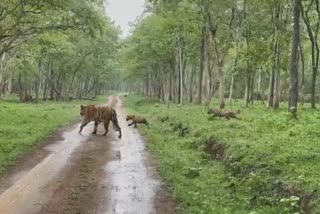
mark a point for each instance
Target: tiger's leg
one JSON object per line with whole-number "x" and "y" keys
{"x": 131, "y": 123}
{"x": 135, "y": 124}
{"x": 95, "y": 128}
{"x": 106, "y": 125}
{"x": 120, "y": 133}
{"x": 84, "y": 123}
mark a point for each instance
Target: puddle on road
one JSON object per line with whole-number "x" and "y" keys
{"x": 133, "y": 185}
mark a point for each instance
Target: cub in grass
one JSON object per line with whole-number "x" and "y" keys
{"x": 137, "y": 119}
{"x": 225, "y": 114}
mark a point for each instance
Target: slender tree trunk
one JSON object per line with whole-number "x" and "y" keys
{"x": 231, "y": 89}
{"x": 2, "y": 65}
{"x": 252, "y": 89}
{"x": 180, "y": 70}
{"x": 294, "y": 75}
{"x": 313, "y": 87}
{"x": 271, "y": 89}
{"x": 302, "y": 86}
{"x": 261, "y": 93}
{"x": 202, "y": 59}
{"x": 194, "y": 67}
{"x": 149, "y": 84}
{"x": 170, "y": 86}
{"x": 221, "y": 86}
{"x": 248, "y": 89}
{"x": 313, "y": 31}
{"x": 276, "y": 95}
{"x": 208, "y": 70}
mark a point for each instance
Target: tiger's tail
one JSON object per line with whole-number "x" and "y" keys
{"x": 115, "y": 123}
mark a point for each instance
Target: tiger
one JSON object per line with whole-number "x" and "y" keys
{"x": 99, "y": 114}
{"x": 226, "y": 114}
{"x": 137, "y": 119}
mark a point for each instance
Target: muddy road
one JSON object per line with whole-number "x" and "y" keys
{"x": 85, "y": 174}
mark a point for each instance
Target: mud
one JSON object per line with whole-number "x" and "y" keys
{"x": 75, "y": 173}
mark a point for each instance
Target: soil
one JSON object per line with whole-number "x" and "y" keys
{"x": 84, "y": 174}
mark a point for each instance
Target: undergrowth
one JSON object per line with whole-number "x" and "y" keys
{"x": 267, "y": 162}
{"x": 24, "y": 125}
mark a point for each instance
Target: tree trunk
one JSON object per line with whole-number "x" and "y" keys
{"x": 194, "y": 67}
{"x": 248, "y": 89}
{"x": 231, "y": 89}
{"x": 276, "y": 94}
{"x": 221, "y": 86}
{"x": 294, "y": 75}
{"x": 271, "y": 89}
{"x": 302, "y": 84}
{"x": 180, "y": 71}
{"x": 170, "y": 86}
{"x": 149, "y": 84}
{"x": 202, "y": 65}
{"x": 252, "y": 89}
{"x": 313, "y": 31}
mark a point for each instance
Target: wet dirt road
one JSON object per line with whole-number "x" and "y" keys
{"x": 77, "y": 174}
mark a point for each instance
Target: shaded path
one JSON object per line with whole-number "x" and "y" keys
{"x": 86, "y": 174}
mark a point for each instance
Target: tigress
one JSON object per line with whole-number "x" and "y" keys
{"x": 226, "y": 114}
{"x": 99, "y": 114}
{"x": 137, "y": 119}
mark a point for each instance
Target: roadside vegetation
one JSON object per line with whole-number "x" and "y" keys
{"x": 52, "y": 54}
{"x": 23, "y": 126}
{"x": 266, "y": 162}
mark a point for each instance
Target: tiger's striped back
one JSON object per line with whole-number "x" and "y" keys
{"x": 97, "y": 113}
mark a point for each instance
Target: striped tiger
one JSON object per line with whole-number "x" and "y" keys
{"x": 99, "y": 114}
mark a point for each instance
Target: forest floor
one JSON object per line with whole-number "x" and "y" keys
{"x": 72, "y": 173}
{"x": 265, "y": 162}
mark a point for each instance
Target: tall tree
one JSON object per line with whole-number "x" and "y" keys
{"x": 294, "y": 75}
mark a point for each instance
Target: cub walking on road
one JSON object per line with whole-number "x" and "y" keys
{"x": 99, "y": 114}
{"x": 137, "y": 119}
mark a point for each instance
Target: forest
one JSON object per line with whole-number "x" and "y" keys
{"x": 194, "y": 51}
{"x": 56, "y": 50}
{"x": 230, "y": 90}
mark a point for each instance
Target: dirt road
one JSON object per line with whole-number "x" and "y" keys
{"x": 78, "y": 174}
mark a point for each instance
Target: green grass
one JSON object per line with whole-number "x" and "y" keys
{"x": 271, "y": 160}
{"x": 22, "y": 126}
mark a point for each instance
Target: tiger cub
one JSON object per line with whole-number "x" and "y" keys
{"x": 137, "y": 119}
{"x": 225, "y": 114}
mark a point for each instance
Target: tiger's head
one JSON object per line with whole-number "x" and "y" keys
{"x": 129, "y": 117}
{"x": 83, "y": 110}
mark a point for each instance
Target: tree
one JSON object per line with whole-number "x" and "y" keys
{"x": 293, "y": 99}
{"x": 56, "y": 49}
{"x": 312, "y": 23}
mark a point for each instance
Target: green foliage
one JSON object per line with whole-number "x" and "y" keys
{"x": 68, "y": 46}
{"x": 271, "y": 159}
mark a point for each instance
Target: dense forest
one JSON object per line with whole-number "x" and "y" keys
{"x": 193, "y": 51}
{"x": 55, "y": 50}
{"x": 179, "y": 51}
{"x": 228, "y": 87}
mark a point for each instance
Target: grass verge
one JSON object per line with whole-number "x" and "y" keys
{"x": 22, "y": 126}
{"x": 267, "y": 162}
